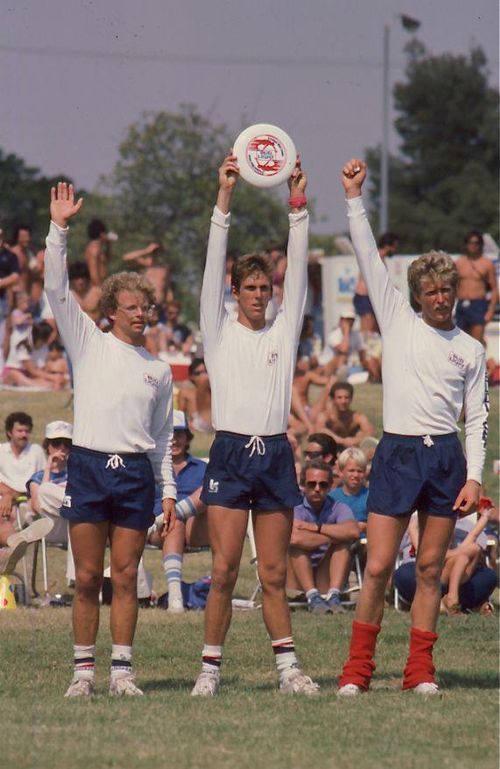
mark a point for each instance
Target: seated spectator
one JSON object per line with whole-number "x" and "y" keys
{"x": 345, "y": 351}
{"x": 56, "y": 364}
{"x": 179, "y": 335}
{"x": 19, "y": 459}
{"x": 156, "y": 334}
{"x": 353, "y": 492}
{"x": 323, "y": 530}
{"x": 466, "y": 583}
{"x": 302, "y": 413}
{"x": 9, "y": 277}
{"x": 322, "y": 446}
{"x": 85, "y": 292}
{"x": 46, "y": 488}
{"x": 195, "y": 398}
{"x": 190, "y": 529}
{"x": 25, "y": 364}
{"x": 309, "y": 342}
{"x": 336, "y": 417}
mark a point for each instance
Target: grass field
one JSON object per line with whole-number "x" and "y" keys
{"x": 250, "y": 726}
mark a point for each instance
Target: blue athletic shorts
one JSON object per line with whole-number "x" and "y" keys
{"x": 411, "y": 472}
{"x": 470, "y": 312}
{"x": 118, "y": 488}
{"x": 255, "y": 477}
{"x": 362, "y": 305}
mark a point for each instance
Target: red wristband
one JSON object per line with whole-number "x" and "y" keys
{"x": 298, "y": 201}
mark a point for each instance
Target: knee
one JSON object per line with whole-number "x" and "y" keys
{"x": 124, "y": 578}
{"x": 88, "y": 581}
{"x": 428, "y": 573}
{"x": 378, "y": 571}
{"x": 224, "y": 576}
{"x": 273, "y": 576}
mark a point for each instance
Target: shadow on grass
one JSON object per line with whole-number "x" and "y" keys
{"x": 452, "y": 679}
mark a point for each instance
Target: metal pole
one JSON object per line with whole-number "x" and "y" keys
{"x": 384, "y": 159}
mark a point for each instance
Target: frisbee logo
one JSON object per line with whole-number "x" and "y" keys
{"x": 266, "y": 155}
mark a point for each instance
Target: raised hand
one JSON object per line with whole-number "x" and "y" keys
{"x": 297, "y": 182}
{"x": 62, "y": 203}
{"x": 228, "y": 176}
{"x": 353, "y": 176}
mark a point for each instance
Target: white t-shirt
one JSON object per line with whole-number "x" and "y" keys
{"x": 250, "y": 371}
{"x": 428, "y": 374}
{"x": 122, "y": 393}
{"x": 15, "y": 471}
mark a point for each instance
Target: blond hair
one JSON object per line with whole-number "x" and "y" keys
{"x": 434, "y": 266}
{"x": 354, "y": 454}
{"x": 124, "y": 281}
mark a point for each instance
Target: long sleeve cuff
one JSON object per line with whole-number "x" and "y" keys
{"x": 354, "y": 206}
{"x": 220, "y": 219}
{"x": 169, "y": 491}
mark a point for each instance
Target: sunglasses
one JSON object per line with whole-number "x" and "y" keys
{"x": 314, "y": 454}
{"x": 58, "y": 443}
{"x": 198, "y": 372}
{"x": 312, "y": 484}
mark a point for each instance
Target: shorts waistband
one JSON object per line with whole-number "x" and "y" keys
{"x": 434, "y": 438}
{"x": 242, "y": 437}
{"x": 105, "y": 454}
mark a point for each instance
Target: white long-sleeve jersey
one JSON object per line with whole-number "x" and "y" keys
{"x": 251, "y": 372}
{"x": 122, "y": 394}
{"x": 428, "y": 375}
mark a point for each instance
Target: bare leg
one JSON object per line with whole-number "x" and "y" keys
{"x": 300, "y": 575}
{"x": 459, "y": 567}
{"x": 434, "y": 539}
{"x": 127, "y": 546}
{"x": 333, "y": 570}
{"x": 88, "y": 543}
{"x": 226, "y": 531}
{"x": 272, "y": 532}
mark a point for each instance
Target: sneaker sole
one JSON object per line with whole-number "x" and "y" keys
{"x": 34, "y": 532}
{"x": 17, "y": 553}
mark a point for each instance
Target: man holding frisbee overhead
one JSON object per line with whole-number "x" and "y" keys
{"x": 251, "y": 466}
{"x": 431, "y": 370}
{"x": 121, "y": 446}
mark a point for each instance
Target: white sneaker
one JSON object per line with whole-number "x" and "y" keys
{"x": 298, "y": 683}
{"x": 32, "y": 533}
{"x": 175, "y": 606}
{"x": 206, "y": 685}
{"x": 349, "y": 690}
{"x": 123, "y": 684}
{"x": 426, "y": 689}
{"x": 81, "y": 687}
{"x": 9, "y": 556}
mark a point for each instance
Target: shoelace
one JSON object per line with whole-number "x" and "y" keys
{"x": 115, "y": 461}
{"x": 257, "y": 445}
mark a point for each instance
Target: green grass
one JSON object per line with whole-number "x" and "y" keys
{"x": 250, "y": 725}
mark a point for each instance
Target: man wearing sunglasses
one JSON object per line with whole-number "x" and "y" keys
{"x": 323, "y": 531}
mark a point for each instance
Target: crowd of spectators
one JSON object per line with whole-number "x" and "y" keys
{"x": 333, "y": 442}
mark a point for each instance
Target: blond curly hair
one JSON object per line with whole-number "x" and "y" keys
{"x": 435, "y": 266}
{"x": 124, "y": 281}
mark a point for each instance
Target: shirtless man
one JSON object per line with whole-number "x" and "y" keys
{"x": 336, "y": 417}
{"x": 25, "y": 254}
{"x": 98, "y": 252}
{"x": 476, "y": 279}
{"x": 147, "y": 263}
{"x": 387, "y": 245}
{"x": 195, "y": 398}
{"x": 302, "y": 414}
{"x": 86, "y": 294}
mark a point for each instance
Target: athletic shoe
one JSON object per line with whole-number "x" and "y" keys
{"x": 426, "y": 689}
{"x": 335, "y": 604}
{"x": 123, "y": 684}
{"x": 9, "y": 556}
{"x": 317, "y": 605}
{"x": 298, "y": 683}
{"x": 349, "y": 690}
{"x": 81, "y": 687}
{"x": 175, "y": 606}
{"x": 206, "y": 685}
{"x": 32, "y": 533}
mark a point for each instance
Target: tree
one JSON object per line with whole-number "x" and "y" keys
{"x": 445, "y": 180}
{"x": 165, "y": 184}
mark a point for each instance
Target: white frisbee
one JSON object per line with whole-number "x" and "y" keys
{"x": 266, "y": 155}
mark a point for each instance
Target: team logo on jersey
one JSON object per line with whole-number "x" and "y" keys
{"x": 67, "y": 501}
{"x": 457, "y": 360}
{"x": 151, "y": 380}
{"x": 213, "y": 486}
{"x": 272, "y": 358}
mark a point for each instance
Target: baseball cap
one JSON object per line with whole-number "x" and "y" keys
{"x": 59, "y": 429}
{"x": 181, "y": 423}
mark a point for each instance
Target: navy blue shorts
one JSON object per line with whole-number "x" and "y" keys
{"x": 470, "y": 312}
{"x": 118, "y": 488}
{"x": 412, "y": 472}
{"x": 362, "y": 305}
{"x": 242, "y": 480}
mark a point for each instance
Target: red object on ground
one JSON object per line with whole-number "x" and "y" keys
{"x": 359, "y": 666}
{"x": 419, "y": 665}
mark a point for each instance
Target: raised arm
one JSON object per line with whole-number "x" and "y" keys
{"x": 142, "y": 256}
{"x": 387, "y": 301}
{"x": 295, "y": 285}
{"x": 212, "y": 312}
{"x": 74, "y": 325}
